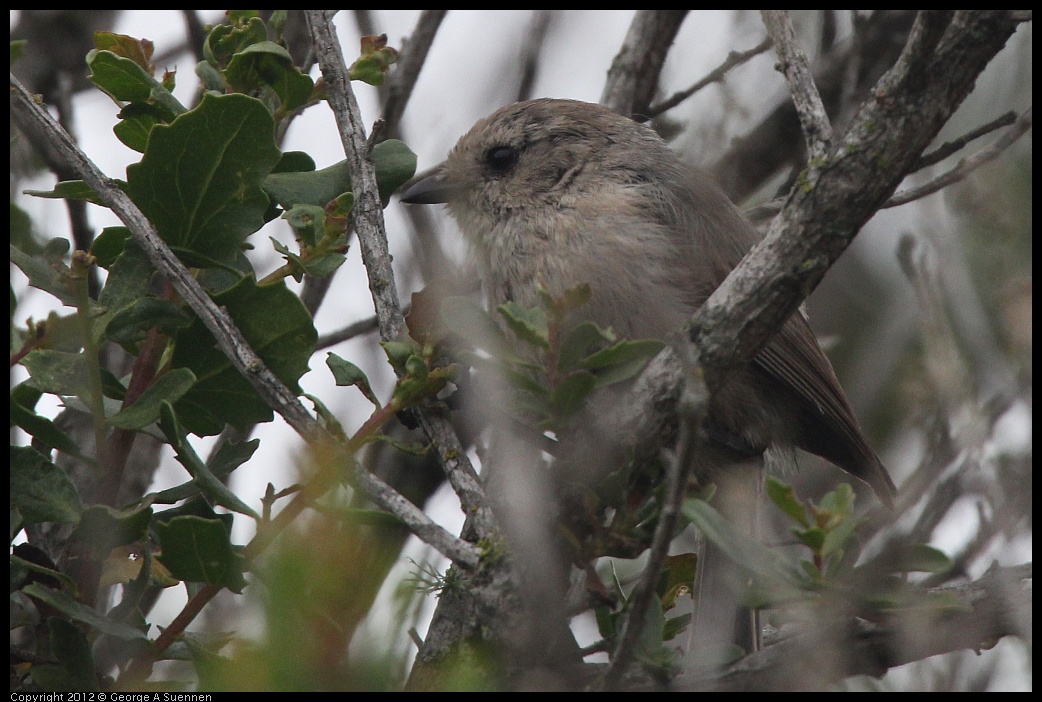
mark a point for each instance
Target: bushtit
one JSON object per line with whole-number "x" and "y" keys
{"x": 560, "y": 192}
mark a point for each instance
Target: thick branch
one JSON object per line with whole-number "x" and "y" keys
{"x": 774, "y": 143}
{"x": 824, "y": 212}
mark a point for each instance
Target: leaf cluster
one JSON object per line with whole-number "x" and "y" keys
{"x": 208, "y": 178}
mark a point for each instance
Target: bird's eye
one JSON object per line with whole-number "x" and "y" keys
{"x": 501, "y": 159}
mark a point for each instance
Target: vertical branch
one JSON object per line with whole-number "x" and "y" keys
{"x": 634, "y": 72}
{"x": 817, "y": 130}
{"x": 372, "y": 236}
{"x": 367, "y": 212}
{"x": 400, "y": 84}
{"x": 533, "y": 46}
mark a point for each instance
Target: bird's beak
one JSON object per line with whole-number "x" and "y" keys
{"x": 428, "y": 191}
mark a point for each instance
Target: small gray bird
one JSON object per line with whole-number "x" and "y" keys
{"x": 561, "y": 192}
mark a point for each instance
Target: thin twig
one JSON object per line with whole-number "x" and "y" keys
{"x": 367, "y": 211}
{"x": 532, "y": 47}
{"x": 644, "y": 590}
{"x": 849, "y": 84}
{"x": 400, "y": 84}
{"x": 950, "y": 147}
{"x": 635, "y": 70}
{"x": 817, "y": 130}
{"x": 368, "y": 219}
{"x": 362, "y": 326}
{"x": 717, "y": 75}
{"x": 965, "y": 166}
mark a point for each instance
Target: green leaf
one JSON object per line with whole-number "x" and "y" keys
{"x": 623, "y": 360}
{"x": 279, "y": 329}
{"x": 168, "y": 388}
{"x": 347, "y": 374}
{"x": 230, "y": 456}
{"x": 226, "y": 40}
{"x": 784, "y": 497}
{"x": 623, "y": 353}
{"x": 129, "y": 279}
{"x": 209, "y": 485}
{"x": 325, "y": 265}
{"x": 839, "y": 501}
{"x": 289, "y": 188}
{"x": 137, "y": 50}
{"x": 577, "y": 343}
{"x": 221, "y": 464}
{"x": 268, "y": 64}
{"x": 293, "y": 161}
{"x": 570, "y": 300}
{"x": 308, "y": 221}
{"x": 675, "y": 627}
{"x": 120, "y": 78}
{"x": 42, "y": 429}
{"x": 395, "y": 163}
{"x": 677, "y": 579}
{"x": 68, "y": 190}
{"x": 43, "y": 276}
{"x": 840, "y": 535}
{"x": 921, "y": 558}
{"x": 124, "y": 72}
{"x": 23, "y": 238}
{"x": 57, "y": 372}
{"x": 40, "y": 490}
{"x": 571, "y": 394}
{"x": 199, "y": 550}
{"x": 199, "y": 181}
{"x": 375, "y": 60}
{"x": 135, "y": 125}
{"x": 398, "y": 354}
{"x": 74, "y": 671}
{"x": 742, "y": 550}
{"x": 132, "y": 323}
{"x": 812, "y": 538}
{"x": 103, "y": 528}
{"x": 81, "y": 612}
{"x": 109, "y": 244}
{"x": 528, "y": 323}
